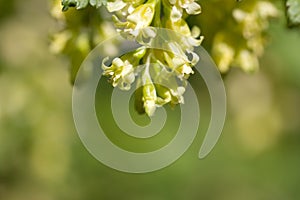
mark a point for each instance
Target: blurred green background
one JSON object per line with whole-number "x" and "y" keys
{"x": 42, "y": 157}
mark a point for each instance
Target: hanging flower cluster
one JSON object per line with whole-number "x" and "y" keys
{"x": 161, "y": 74}
{"x": 244, "y": 44}
{"x": 235, "y": 35}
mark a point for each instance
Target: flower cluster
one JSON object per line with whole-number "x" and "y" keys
{"x": 248, "y": 28}
{"x": 235, "y": 35}
{"x": 161, "y": 74}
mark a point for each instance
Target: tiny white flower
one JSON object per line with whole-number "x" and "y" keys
{"x": 115, "y": 5}
{"x": 192, "y": 8}
{"x": 121, "y": 73}
{"x": 176, "y": 13}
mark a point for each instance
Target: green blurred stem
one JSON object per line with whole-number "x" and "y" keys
{"x": 157, "y": 20}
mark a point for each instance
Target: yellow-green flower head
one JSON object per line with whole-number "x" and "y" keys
{"x": 247, "y": 60}
{"x": 255, "y": 21}
{"x": 177, "y": 95}
{"x": 179, "y": 65}
{"x": 178, "y": 6}
{"x": 244, "y": 50}
{"x": 121, "y": 73}
{"x": 149, "y": 94}
{"x": 223, "y": 54}
{"x": 136, "y": 18}
{"x": 117, "y": 5}
{"x": 142, "y": 16}
{"x": 191, "y": 38}
{"x": 181, "y": 55}
{"x": 266, "y": 9}
{"x": 149, "y": 98}
{"x": 123, "y": 7}
{"x": 167, "y": 95}
{"x": 122, "y": 70}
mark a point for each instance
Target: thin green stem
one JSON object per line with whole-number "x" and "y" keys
{"x": 157, "y": 17}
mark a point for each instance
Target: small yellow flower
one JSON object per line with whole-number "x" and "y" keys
{"x": 136, "y": 18}
{"x": 149, "y": 94}
{"x": 142, "y": 16}
{"x": 223, "y": 55}
{"x": 247, "y": 60}
{"x": 190, "y": 6}
{"x": 121, "y": 73}
{"x": 59, "y": 41}
{"x": 115, "y": 5}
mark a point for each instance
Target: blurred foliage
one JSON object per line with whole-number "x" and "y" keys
{"x": 7, "y": 8}
{"x": 79, "y": 4}
{"x": 293, "y": 12}
{"x": 235, "y": 33}
{"x": 42, "y": 158}
{"x": 79, "y": 32}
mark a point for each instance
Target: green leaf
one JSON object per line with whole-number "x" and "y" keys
{"x": 293, "y": 12}
{"x": 68, "y": 3}
{"x": 80, "y": 4}
{"x": 98, "y": 3}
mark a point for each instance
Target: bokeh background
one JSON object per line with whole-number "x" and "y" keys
{"x": 42, "y": 157}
